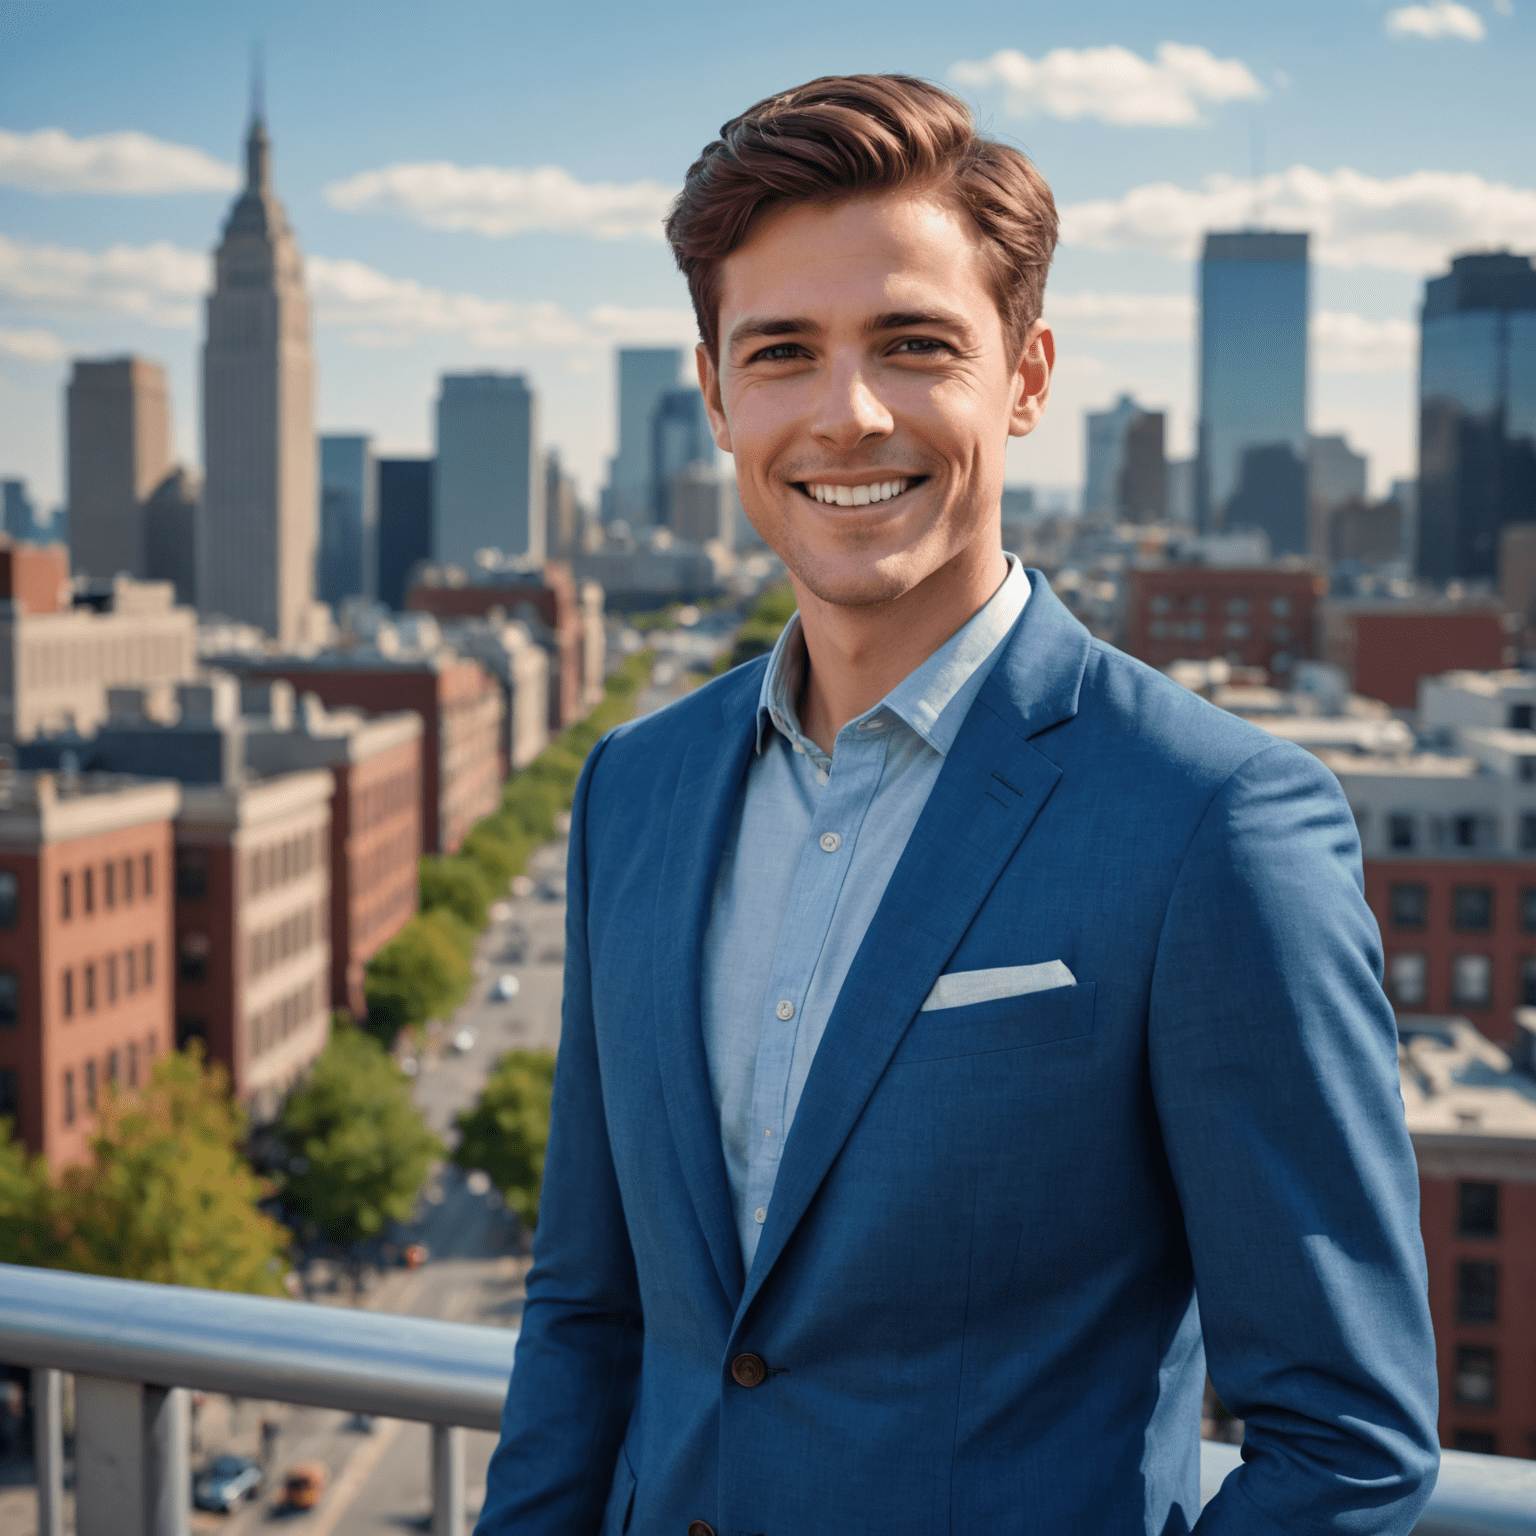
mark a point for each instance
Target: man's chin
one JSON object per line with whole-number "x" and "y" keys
{"x": 856, "y": 583}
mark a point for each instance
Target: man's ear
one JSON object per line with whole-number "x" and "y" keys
{"x": 709, "y": 387}
{"x": 1032, "y": 381}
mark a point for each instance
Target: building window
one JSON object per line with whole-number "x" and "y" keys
{"x": 1409, "y": 905}
{"x": 149, "y": 964}
{"x": 133, "y": 1063}
{"x": 1481, "y": 1442}
{"x": 111, "y": 978}
{"x": 90, "y": 987}
{"x": 1464, "y": 831}
{"x": 1528, "y": 909}
{"x": 1160, "y": 604}
{"x": 1400, "y": 831}
{"x": 10, "y": 1000}
{"x": 130, "y": 971}
{"x": 69, "y": 994}
{"x": 1406, "y": 977}
{"x": 1477, "y": 1292}
{"x": 1528, "y": 981}
{"x": 109, "y": 886}
{"x": 149, "y": 874}
{"x": 188, "y": 1030}
{"x": 66, "y": 898}
{"x": 191, "y": 874}
{"x": 194, "y": 957}
{"x": 1520, "y": 717}
{"x": 10, "y": 1095}
{"x": 127, "y": 880}
{"x": 1473, "y": 908}
{"x": 1471, "y": 981}
{"x": 1528, "y": 770}
{"x": 1477, "y": 1210}
{"x": 88, "y": 890}
{"x": 8, "y": 903}
{"x": 114, "y": 1074}
{"x": 1477, "y": 1380}
{"x": 69, "y": 1098}
{"x": 1528, "y": 830}
{"x": 90, "y": 1085}
{"x": 1238, "y": 606}
{"x": 1280, "y": 606}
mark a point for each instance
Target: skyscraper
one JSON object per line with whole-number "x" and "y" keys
{"x": 1126, "y": 472}
{"x": 645, "y": 375}
{"x": 1252, "y": 470}
{"x": 680, "y": 440}
{"x": 405, "y": 525}
{"x": 562, "y": 511}
{"x": 257, "y": 550}
{"x": 170, "y": 532}
{"x": 1477, "y": 413}
{"x": 1336, "y": 476}
{"x": 20, "y": 516}
{"x": 119, "y": 414}
{"x": 349, "y": 508}
{"x": 489, "y": 481}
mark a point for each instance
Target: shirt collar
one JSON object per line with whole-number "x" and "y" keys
{"x": 932, "y": 700}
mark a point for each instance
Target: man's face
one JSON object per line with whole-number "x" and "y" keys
{"x": 867, "y": 391}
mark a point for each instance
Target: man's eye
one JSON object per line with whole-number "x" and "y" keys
{"x": 780, "y": 353}
{"x": 922, "y": 345}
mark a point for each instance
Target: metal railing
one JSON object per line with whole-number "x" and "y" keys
{"x": 136, "y": 1350}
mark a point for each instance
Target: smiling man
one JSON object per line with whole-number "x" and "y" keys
{"x": 970, "y": 1037}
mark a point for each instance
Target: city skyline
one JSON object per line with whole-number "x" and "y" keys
{"x": 465, "y": 229}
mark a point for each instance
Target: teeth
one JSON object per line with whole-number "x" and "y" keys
{"x": 856, "y": 495}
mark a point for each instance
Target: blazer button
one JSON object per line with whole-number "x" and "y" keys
{"x": 700, "y": 1528}
{"x": 748, "y": 1370}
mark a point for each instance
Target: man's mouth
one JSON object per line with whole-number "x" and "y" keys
{"x": 858, "y": 495}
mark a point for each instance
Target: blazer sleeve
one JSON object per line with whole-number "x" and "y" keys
{"x": 578, "y": 1357}
{"x": 1273, "y": 1054}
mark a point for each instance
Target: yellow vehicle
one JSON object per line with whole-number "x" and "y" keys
{"x": 304, "y": 1486}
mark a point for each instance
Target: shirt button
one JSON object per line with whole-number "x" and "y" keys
{"x": 830, "y": 842}
{"x": 786, "y": 1009}
{"x": 760, "y": 1215}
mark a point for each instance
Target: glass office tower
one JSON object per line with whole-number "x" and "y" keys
{"x": 405, "y": 525}
{"x": 1477, "y": 413}
{"x": 680, "y": 439}
{"x": 488, "y": 491}
{"x": 1252, "y": 470}
{"x": 645, "y": 375}
{"x": 345, "y": 563}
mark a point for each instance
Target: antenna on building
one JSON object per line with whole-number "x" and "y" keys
{"x": 258, "y": 84}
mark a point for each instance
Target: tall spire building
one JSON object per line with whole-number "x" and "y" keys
{"x": 259, "y": 530}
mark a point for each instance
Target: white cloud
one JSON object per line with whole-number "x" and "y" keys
{"x": 1348, "y": 343}
{"x": 502, "y": 200}
{"x": 126, "y": 164}
{"x": 1411, "y": 223}
{"x": 1122, "y": 316}
{"x": 160, "y": 283}
{"x": 1112, "y": 84}
{"x": 1440, "y": 18}
{"x": 32, "y": 346}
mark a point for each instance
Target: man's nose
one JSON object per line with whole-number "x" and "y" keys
{"x": 849, "y": 412}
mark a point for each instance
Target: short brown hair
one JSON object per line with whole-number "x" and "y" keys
{"x": 846, "y": 135}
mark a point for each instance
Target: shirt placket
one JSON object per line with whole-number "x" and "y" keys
{"x": 851, "y": 780}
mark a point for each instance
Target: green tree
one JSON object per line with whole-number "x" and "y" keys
{"x": 421, "y": 973}
{"x": 457, "y": 884}
{"x": 358, "y": 1148}
{"x": 166, "y": 1194}
{"x": 26, "y": 1235}
{"x": 505, "y": 1134}
{"x": 756, "y": 637}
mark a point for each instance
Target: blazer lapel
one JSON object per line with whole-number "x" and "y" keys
{"x": 991, "y": 787}
{"x": 702, "y": 805}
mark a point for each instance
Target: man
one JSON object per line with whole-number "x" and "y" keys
{"x": 951, "y": 1001}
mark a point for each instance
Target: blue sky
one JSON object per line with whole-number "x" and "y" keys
{"x": 402, "y": 135}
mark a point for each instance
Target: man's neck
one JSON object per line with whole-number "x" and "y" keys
{"x": 855, "y": 656}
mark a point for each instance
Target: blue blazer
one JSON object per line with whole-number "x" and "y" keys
{"x": 1007, "y": 1240}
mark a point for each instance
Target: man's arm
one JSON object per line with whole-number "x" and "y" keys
{"x": 1274, "y": 1067}
{"x": 578, "y": 1359}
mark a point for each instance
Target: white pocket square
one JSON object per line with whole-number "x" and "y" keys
{"x": 956, "y": 989}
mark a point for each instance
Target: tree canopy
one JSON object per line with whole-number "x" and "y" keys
{"x": 358, "y": 1147}
{"x": 505, "y": 1134}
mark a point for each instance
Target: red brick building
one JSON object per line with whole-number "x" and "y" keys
{"x": 253, "y": 929}
{"x": 36, "y": 575}
{"x": 85, "y": 948}
{"x": 460, "y": 706}
{"x": 1384, "y": 647}
{"x": 1253, "y": 616}
{"x": 1473, "y": 1123}
{"x": 375, "y": 815}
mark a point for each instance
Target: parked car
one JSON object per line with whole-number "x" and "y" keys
{"x": 464, "y": 1040}
{"x": 304, "y": 1485}
{"x": 225, "y": 1481}
{"x": 506, "y": 987}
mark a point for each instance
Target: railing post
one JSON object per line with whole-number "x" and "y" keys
{"x": 48, "y": 1449}
{"x": 109, "y": 1457}
{"x": 167, "y": 1472}
{"x": 447, "y": 1480}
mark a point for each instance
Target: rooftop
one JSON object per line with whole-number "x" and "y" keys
{"x": 1457, "y": 1084}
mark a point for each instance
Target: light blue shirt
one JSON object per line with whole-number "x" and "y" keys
{"x": 813, "y": 842}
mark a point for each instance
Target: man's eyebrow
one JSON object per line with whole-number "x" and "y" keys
{"x": 901, "y": 319}
{"x": 786, "y": 326}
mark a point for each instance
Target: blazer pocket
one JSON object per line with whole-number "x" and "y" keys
{"x": 1000, "y": 1024}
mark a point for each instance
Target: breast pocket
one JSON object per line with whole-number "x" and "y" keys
{"x": 1001, "y": 1024}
